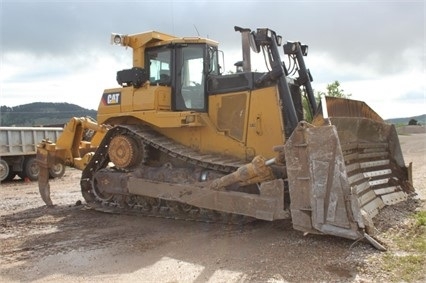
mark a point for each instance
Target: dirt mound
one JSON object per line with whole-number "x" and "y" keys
{"x": 408, "y": 130}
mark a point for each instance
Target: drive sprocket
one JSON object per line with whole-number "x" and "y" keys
{"x": 124, "y": 151}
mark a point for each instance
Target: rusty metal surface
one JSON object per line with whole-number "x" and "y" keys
{"x": 342, "y": 174}
{"x": 268, "y": 205}
{"x": 341, "y": 107}
{"x": 44, "y": 159}
{"x": 362, "y": 132}
{"x": 44, "y": 186}
{"x": 254, "y": 172}
{"x": 321, "y": 197}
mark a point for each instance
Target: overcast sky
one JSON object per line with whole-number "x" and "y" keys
{"x": 59, "y": 51}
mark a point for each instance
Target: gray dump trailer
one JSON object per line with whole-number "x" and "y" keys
{"x": 18, "y": 149}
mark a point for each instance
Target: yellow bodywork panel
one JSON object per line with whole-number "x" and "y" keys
{"x": 207, "y": 139}
{"x": 138, "y": 42}
{"x": 152, "y": 97}
{"x": 139, "y": 102}
{"x": 265, "y": 124}
{"x": 242, "y": 124}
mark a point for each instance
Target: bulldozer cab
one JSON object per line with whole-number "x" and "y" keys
{"x": 184, "y": 68}
{"x": 168, "y": 74}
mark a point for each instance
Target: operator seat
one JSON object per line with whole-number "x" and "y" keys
{"x": 164, "y": 77}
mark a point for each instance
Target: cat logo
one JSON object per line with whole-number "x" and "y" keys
{"x": 111, "y": 98}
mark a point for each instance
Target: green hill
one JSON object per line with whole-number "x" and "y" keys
{"x": 42, "y": 114}
{"x": 421, "y": 119}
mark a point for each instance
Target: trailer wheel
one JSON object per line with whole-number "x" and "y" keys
{"x": 31, "y": 169}
{"x": 4, "y": 170}
{"x": 57, "y": 171}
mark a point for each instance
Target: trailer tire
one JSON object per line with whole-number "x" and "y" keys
{"x": 31, "y": 169}
{"x": 57, "y": 171}
{"x": 4, "y": 170}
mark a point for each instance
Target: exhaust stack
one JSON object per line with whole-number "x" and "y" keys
{"x": 245, "y": 35}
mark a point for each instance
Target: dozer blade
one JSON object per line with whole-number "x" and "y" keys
{"x": 343, "y": 170}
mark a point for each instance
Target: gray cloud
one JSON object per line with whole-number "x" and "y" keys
{"x": 413, "y": 97}
{"x": 370, "y": 33}
{"x": 375, "y": 48}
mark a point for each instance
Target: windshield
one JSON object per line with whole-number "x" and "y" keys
{"x": 184, "y": 67}
{"x": 159, "y": 66}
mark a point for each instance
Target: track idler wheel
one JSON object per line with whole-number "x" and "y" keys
{"x": 125, "y": 152}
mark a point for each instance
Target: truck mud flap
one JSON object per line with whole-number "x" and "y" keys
{"x": 342, "y": 173}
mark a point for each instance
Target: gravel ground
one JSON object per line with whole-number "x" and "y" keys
{"x": 69, "y": 243}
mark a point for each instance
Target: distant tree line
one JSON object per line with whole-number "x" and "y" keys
{"x": 413, "y": 122}
{"x": 42, "y": 114}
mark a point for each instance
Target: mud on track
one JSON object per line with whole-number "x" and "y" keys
{"x": 71, "y": 243}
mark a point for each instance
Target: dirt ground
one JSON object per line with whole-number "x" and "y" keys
{"x": 69, "y": 243}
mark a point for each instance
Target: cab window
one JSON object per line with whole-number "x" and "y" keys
{"x": 159, "y": 66}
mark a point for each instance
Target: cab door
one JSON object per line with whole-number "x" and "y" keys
{"x": 190, "y": 91}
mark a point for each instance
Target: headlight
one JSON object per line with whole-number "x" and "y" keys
{"x": 117, "y": 39}
{"x": 279, "y": 40}
{"x": 304, "y": 49}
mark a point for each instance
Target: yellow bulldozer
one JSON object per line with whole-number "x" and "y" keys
{"x": 180, "y": 139}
